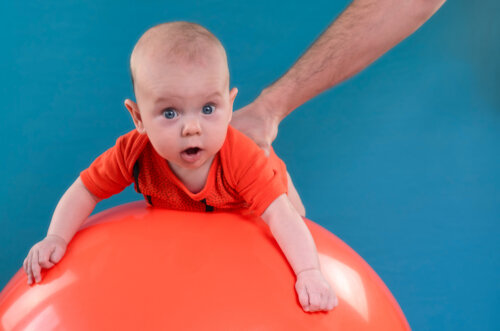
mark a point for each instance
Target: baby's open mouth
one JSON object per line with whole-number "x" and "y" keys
{"x": 191, "y": 150}
{"x": 192, "y": 154}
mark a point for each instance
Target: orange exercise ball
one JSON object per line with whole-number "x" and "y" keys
{"x": 139, "y": 268}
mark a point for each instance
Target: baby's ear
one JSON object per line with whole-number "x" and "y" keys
{"x": 232, "y": 95}
{"x": 136, "y": 115}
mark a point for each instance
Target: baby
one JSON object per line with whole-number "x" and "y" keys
{"x": 184, "y": 155}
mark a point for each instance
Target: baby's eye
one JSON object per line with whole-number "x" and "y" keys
{"x": 169, "y": 113}
{"x": 208, "y": 109}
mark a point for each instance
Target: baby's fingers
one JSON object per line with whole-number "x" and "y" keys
{"x": 44, "y": 258}
{"x": 314, "y": 301}
{"x": 57, "y": 254}
{"x": 332, "y": 301}
{"x": 35, "y": 267}
{"x": 303, "y": 297}
{"x": 28, "y": 267}
{"x": 25, "y": 265}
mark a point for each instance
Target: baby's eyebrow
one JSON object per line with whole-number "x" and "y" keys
{"x": 173, "y": 98}
{"x": 170, "y": 97}
{"x": 214, "y": 95}
{"x": 163, "y": 99}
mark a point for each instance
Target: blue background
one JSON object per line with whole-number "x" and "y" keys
{"x": 401, "y": 161}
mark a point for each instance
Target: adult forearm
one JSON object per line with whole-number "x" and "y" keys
{"x": 72, "y": 210}
{"x": 364, "y": 31}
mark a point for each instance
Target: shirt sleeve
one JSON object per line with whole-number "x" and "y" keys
{"x": 112, "y": 171}
{"x": 258, "y": 179}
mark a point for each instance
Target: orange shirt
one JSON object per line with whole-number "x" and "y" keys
{"x": 240, "y": 177}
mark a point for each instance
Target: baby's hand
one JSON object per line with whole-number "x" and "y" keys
{"x": 315, "y": 294}
{"x": 44, "y": 254}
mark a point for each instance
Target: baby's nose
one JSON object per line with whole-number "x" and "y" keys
{"x": 191, "y": 127}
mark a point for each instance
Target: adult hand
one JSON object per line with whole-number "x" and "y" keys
{"x": 257, "y": 121}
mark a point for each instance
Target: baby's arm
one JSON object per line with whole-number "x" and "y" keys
{"x": 74, "y": 207}
{"x": 297, "y": 244}
{"x": 294, "y": 197}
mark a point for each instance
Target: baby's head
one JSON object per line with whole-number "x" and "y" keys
{"x": 181, "y": 84}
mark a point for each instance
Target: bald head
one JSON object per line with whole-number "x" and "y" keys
{"x": 174, "y": 42}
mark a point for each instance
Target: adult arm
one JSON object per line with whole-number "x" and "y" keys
{"x": 363, "y": 32}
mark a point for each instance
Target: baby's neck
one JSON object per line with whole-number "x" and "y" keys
{"x": 194, "y": 179}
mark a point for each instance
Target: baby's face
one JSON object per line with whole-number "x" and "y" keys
{"x": 185, "y": 109}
